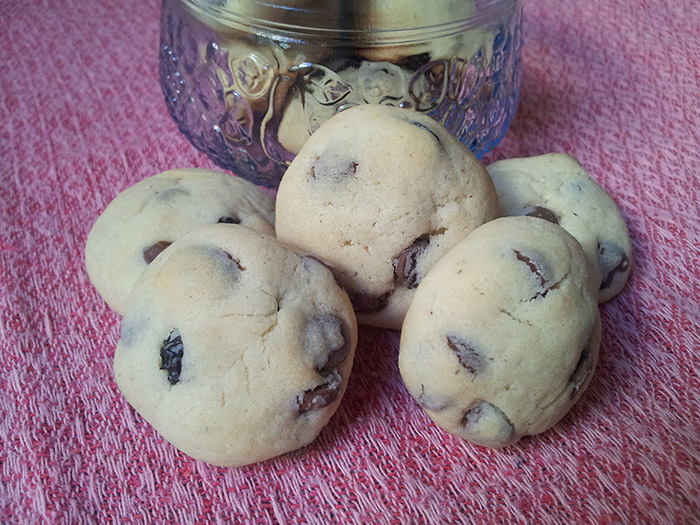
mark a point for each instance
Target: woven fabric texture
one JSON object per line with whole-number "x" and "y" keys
{"x": 82, "y": 117}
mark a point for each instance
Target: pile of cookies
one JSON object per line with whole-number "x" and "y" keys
{"x": 240, "y": 310}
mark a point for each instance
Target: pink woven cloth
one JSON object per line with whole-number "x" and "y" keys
{"x": 82, "y": 117}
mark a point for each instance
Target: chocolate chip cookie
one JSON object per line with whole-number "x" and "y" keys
{"x": 147, "y": 217}
{"x": 400, "y": 16}
{"x": 380, "y": 194}
{"x": 556, "y": 188}
{"x": 235, "y": 348}
{"x": 502, "y": 336}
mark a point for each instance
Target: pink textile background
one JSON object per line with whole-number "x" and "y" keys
{"x": 82, "y": 117}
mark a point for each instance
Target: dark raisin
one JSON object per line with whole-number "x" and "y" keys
{"x": 613, "y": 260}
{"x": 320, "y": 396}
{"x": 468, "y": 356}
{"x": 583, "y": 370}
{"x": 406, "y": 263}
{"x": 171, "y": 352}
{"x": 366, "y": 303}
{"x": 229, "y": 220}
{"x": 487, "y": 425}
{"x": 542, "y": 213}
{"x": 153, "y": 251}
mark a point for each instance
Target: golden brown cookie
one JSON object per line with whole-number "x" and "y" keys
{"x": 502, "y": 336}
{"x": 380, "y": 194}
{"x": 235, "y": 348}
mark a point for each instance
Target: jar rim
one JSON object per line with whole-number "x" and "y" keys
{"x": 487, "y": 13}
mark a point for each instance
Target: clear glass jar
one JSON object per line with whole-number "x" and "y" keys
{"x": 248, "y": 81}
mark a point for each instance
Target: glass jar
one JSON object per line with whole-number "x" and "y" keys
{"x": 248, "y": 81}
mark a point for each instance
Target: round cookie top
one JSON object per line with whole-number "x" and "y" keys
{"x": 502, "y": 336}
{"x": 555, "y": 187}
{"x": 147, "y": 217}
{"x": 235, "y": 348}
{"x": 379, "y": 194}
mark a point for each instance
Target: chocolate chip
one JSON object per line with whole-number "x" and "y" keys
{"x": 153, "y": 251}
{"x": 487, "y": 425}
{"x": 468, "y": 356}
{"x": 171, "y": 352}
{"x": 583, "y": 370}
{"x": 366, "y": 303}
{"x": 229, "y": 220}
{"x": 612, "y": 260}
{"x": 320, "y": 396}
{"x": 406, "y": 263}
{"x": 327, "y": 340}
{"x": 542, "y": 213}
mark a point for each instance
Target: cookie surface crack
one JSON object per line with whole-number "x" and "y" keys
{"x": 269, "y": 329}
{"x": 553, "y": 287}
{"x": 517, "y": 320}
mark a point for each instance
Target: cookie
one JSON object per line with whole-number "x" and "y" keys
{"x": 502, "y": 336}
{"x": 147, "y": 217}
{"x": 234, "y": 348}
{"x": 555, "y": 187}
{"x": 396, "y": 18}
{"x": 341, "y": 86}
{"x": 379, "y": 194}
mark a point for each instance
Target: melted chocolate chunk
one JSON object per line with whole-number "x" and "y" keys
{"x": 542, "y": 213}
{"x": 583, "y": 370}
{"x": 171, "y": 352}
{"x": 366, "y": 303}
{"x": 320, "y": 396}
{"x": 336, "y": 337}
{"x": 326, "y": 341}
{"x": 406, "y": 263}
{"x": 536, "y": 269}
{"x": 533, "y": 267}
{"x": 153, "y": 251}
{"x": 613, "y": 260}
{"x": 229, "y": 220}
{"x": 434, "y": 403}
{"x": 487, "y": 425}
{"x": 468, "y": 356}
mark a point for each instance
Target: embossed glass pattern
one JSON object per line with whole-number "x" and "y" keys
{"x": 248, "y": 82}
